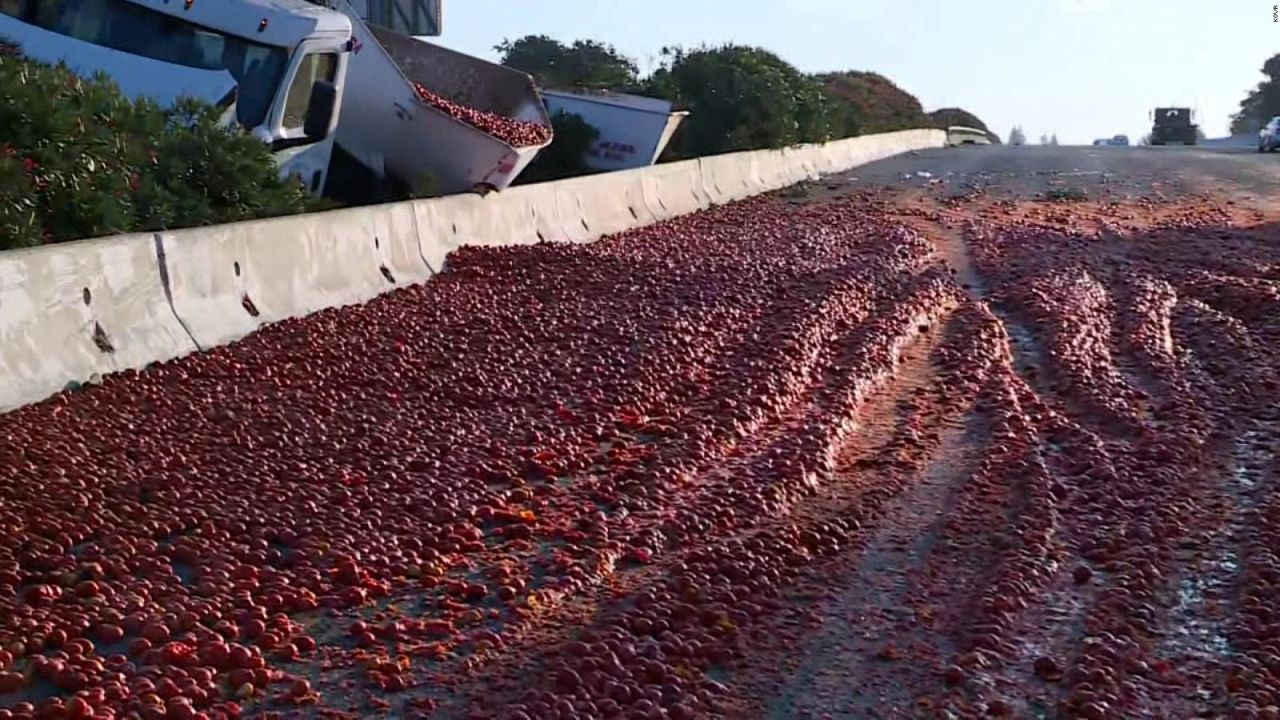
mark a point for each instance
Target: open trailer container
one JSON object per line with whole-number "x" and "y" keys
{"x": 387, "y": 127}
{"x": 634, "y": 130}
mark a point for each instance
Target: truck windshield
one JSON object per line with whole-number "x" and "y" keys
{"x": 127, "y": 27}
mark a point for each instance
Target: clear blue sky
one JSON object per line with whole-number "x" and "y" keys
{"x": 1081, "y": 68}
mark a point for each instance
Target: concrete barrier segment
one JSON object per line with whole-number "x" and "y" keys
{"x": 74, "y": 312}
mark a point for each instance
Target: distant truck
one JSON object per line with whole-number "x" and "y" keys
{"x": 1173, "y": 125}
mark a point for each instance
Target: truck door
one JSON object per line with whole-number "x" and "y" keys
{"x": 300, "y": 156}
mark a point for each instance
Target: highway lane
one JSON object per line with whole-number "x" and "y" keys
{"x": 1106, "y": 172}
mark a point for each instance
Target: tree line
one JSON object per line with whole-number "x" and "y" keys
{"x": 1262, "y": 103}
{"x": 739, "y": 97}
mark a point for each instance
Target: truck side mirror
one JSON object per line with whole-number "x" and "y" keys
{"x": 320, "y": 109}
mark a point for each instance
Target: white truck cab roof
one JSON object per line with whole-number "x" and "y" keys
{"x": 282, "y": 23}
{"x": 170, "y": 49}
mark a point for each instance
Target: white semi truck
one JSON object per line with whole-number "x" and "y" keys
{"x": 325, "y": 89}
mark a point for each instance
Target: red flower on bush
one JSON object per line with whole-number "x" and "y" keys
{"x": 30, "y": 166}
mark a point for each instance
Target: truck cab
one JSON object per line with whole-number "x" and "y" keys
{"x": 276, "y": 67}
{"x": 1173, "y": 125}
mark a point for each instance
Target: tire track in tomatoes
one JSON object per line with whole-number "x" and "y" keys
{"x": 861, "y": 602}
{"x": 1244, "y": 436}
{"x": 308, "y": 523}
{"x": 1123, "y": 452}
{"x": 988, "y": 671}
{"x": 1080, "y": 355}
{"x": 1173, "y": 415}
{"x": 527, "y": 469}
{"x": 904, "y": 323}
{"x": 769, "y": 429}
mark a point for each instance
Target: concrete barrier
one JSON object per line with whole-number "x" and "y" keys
{"x": 674, "y": 189}
{"x": 597, "y": 205}
{"x": 731, "y": 177}
{"x": 862, "y": 150}
{"x": 519, "y": 216}
{"x": 776, "y": 169}
{"x": 398, "y": 245}
{"x": 73, "y": 312}
{"x": 848, "y": 154}
{"x": 814, "y": 161}
{"x": 798, "y": 164}
{"x": 228, "y": 280}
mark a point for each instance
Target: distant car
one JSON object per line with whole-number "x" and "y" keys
{"x": 1102, "y": 141}
{"x": 960, "y": 135}
{"x": 1269, "y": 136}
{"x": 1120, "y": 140}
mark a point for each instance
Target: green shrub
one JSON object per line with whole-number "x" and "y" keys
{"x": 1262, "y": 103}
{"x": 585, "y": 64}
{"x": 78, "y": 159}
{"x": 944, "y": 118}
{"x": 864, "y": 103}
{"x": 739, "y": 98}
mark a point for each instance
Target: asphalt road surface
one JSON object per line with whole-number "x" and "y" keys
{"x": 1106, "y": 172}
